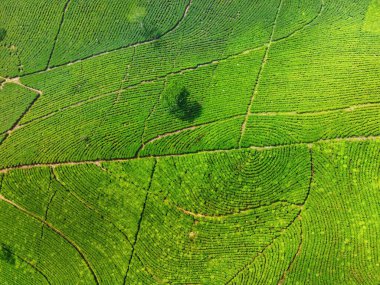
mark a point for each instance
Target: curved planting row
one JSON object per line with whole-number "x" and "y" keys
{"x": 14, "y": 100}
{"x": 333, "y": 63}
{"x": 110, "y": 127}
{"x": 282, "y": 129}
{"x": 228, "y": 182}
{"x": 236, "y": 217}
{"x": 341, "y": 224}
{"x": 109, "y": 25}
{"x": 27, "y": 32}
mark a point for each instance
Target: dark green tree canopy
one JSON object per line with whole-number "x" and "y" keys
{"x": 179, "y": 103}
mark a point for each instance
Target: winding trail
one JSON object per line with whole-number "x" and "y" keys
{"x": 16, "y": 80}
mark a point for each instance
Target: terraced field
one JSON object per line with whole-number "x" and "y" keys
{"x": 190, "y": 142}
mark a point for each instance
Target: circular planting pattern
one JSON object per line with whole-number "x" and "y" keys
{"x": 190, "y": 142}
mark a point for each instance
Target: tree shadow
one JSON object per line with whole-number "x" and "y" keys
{"x": 151, "y": 33}
{"x": 192, "y": 111}
{"x": 3, "y": 33}
{"x": 182, "y": 107}
{"x": 7, "y": 255}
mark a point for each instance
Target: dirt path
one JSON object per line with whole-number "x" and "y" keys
{"x": 261, "y": 69}
{"x": 16, "y": 125}
{"x": 258, "y": 148}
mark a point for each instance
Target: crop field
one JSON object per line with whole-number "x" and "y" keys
{"x": 190, "y": 142}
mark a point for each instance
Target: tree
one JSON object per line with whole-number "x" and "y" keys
{"x": 177, "y": 100}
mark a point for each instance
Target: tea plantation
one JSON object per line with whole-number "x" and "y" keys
{"x": 190, "y": 142}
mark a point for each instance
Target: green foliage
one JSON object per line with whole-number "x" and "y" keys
{"x": 372, "y": 22}
{"x": 176, "y": 100}
{"x": 101, "y": 118}
{"x": 189, "y": 142}
{"x": 313, "y": 126}
{"x": 7, "y": 255}
{"x": 111, "y": 24}
{"x": 341, "y": 215}
{"x": 150, "y": 32}
{"x": 27, "y": 34}
{"x": 14, "y": 100}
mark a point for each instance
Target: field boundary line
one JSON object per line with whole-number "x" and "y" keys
{"x": 312, "y": 173}
{"x": 253, "y": 147}
{"x": 239, "y": 212}
{"x": 126, "y": 237}
{"x": 140, "y": 220}
{"x": 350, "y": 108}
{"x": 136, "y": 44}
{"x": 298, "y": 252}
{"x": 49, "y": 201}
{"x": 261, "y": 69}
{"x": 74, "y": 105}
{"x": 153, "y": 109}
{"x": 16, "y": 124}
{"x": 150, "y": 81}
{"x": 293, "y": 33}
{"x": 190, "y": 128}
{"x": 262, "y": 251}
{"x": 33, "y": 266}
{"x": 65, "y": 8}
{"x": 1, "y": 182}
{"x": 54, "y": 229}
{"x": 125, "y": 77}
